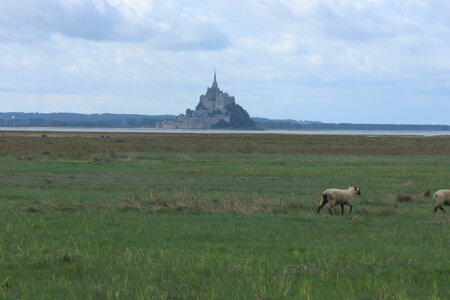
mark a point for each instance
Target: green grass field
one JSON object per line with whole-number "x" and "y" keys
{"x": 170, "y": 216}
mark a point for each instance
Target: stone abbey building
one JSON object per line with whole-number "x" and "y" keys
{"x": 216, "y": 110}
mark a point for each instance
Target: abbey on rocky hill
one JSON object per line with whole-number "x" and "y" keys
{"x": 216, "y": 110}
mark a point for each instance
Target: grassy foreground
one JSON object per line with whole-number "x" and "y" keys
{"x": 90, "y": 216}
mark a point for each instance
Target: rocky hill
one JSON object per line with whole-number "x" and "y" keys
{"x": 216, "y": 110}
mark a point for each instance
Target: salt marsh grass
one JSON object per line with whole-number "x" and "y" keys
{"x": 140, "y": 217}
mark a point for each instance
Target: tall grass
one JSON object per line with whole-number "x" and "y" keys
{"x": 107, "y": 146}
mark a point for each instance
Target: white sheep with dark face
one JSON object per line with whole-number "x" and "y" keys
{"x": 339, "y": 197}
{"x": 442, "y": 198}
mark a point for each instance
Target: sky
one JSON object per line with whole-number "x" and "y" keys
{"x": 356, "y": 61}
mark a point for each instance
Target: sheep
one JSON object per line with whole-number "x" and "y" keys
{"x": 442, "y": 197}
{"x": 340, "y": 197}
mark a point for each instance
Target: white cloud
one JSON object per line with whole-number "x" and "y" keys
{"x": 353, "y": 57}
{"x": 315, "y": 60}
{"x": 113, "y": 20}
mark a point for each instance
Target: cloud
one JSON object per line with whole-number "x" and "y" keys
{"x": 361, "y": 20}
{"x": 109, "y": 20}
{"x": 24, "y": 19}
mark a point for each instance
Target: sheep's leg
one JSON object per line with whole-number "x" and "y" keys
{"x": 342, "y": 209}
{"x": 351, "y": 207}
{"x": 320, "y": 206}
{"x": 330, "y": 208}
{"x": 438, "y": 207}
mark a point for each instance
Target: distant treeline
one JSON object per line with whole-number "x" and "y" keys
{"x": 314, "y": 125}
{"x": 19, "y": 119}
{"x": 79, "y": 120}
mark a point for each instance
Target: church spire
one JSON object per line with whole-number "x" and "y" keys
{"x": 214, "y": 82}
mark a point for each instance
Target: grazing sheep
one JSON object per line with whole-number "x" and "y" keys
{"x": 442, "y": 197}
{"x": 340, "y": 197}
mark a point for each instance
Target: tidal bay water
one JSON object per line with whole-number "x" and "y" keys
{"x": 205, "y": 131}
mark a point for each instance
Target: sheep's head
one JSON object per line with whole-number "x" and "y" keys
{"x": 358, "y": 190}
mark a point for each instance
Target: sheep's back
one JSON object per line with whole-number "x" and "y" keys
{"x": 338, "y": 195}
{"x": 442, "y": 196}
